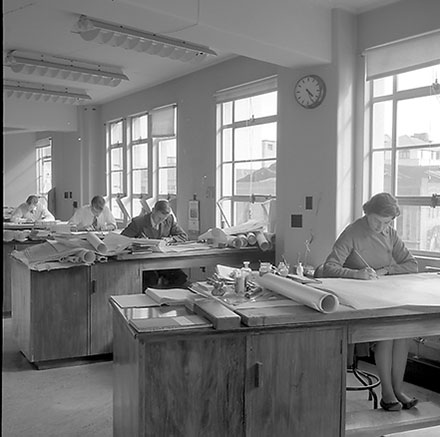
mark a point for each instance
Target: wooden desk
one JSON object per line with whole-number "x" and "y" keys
{"x": 65, "y": 313}
{"x": 281, "y": 379}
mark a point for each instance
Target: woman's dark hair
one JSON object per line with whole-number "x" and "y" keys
{"x": 383, "y": 204}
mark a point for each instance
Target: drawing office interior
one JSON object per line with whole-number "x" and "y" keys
{"x": 229, "y": 129}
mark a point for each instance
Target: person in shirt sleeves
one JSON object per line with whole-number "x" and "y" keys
{"x": 160, "y": 223}
{"x": 31, "y": 211}
{"x": 367, "y": 249}
{"x": 94, "y": 217}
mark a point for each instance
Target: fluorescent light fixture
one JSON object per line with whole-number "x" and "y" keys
{"x": 139, "y": 40}
{"x": 61, "y": 68}
{"x": 45, "y": 93}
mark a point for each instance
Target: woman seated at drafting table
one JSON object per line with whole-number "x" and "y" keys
{"x": 367, "y": 249}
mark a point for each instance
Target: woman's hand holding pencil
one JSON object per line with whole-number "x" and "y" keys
{"x": 367, "y": 272}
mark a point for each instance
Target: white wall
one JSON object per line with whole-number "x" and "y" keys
{"x": 19, "y": 172}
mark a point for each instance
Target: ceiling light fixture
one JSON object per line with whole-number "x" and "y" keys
{"x": 139, "y": 40}
{"x": 61, "y": 68}
{"x": 45, "y": 93}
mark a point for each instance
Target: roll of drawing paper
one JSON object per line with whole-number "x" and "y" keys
{"x": 262, "y": 242}
{"x": 86, "y": 256}
{"x": 252, "y": 239}
{"x": 243, "y": 239}
{"x": 96, "y": 243}
{"x": 234, "y": 241}
{"x": 309, "y": 296}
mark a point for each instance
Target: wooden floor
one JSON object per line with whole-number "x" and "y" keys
{"x": 77, "y": 400}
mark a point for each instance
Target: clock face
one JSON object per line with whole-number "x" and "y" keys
{"x": 310, "y": 91}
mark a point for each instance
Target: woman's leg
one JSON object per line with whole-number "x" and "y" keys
{"x": 383, "y": 354}
{"x": 400, "y": 357}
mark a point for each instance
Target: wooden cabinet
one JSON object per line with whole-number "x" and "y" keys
{"x": 109, "y": 279}
{"x": 282, "y": 383}
{"x": 293, "y": 383}
{"x": 50, "y": 312}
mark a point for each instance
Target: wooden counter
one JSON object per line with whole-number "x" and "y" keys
{"x": 65, "y": 313}
{"x": 281, "y": 379}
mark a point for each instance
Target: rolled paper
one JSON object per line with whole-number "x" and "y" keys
{"x": 244, "y": 240}
{"x": 234, "y": 241}
{"x": 304, "y": 294}
{"x": 270, "y": 237}
{"x": 251, "y": 238}
{"x": 96, "y": 243}
{"x": 86, "y": 256}
{"x": 8, "y": 235}
{"x": 262, "y": 242}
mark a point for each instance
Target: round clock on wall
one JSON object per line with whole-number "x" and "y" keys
{"x": 310, "y": 91}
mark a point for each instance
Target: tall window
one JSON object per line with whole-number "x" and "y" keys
{"x": 142, "y": 160}
{"x": 405, "y": 150}
{"x": 116, "y": 168}
{"x": 246, "y": 151}
{"x": 44, "y": 166}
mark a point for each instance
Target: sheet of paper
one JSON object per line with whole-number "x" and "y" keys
{"x": 419, "y": 289}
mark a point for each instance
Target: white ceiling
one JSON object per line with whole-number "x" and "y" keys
{"x": 292, "y": 33}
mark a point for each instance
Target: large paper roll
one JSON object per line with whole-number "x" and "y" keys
{"x": 97, "y": 243}
{"x": 309, "y": 296}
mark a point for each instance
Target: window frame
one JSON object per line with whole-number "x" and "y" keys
{"x": 396, "y": 96}
{"x": 244, "y": 91}
{"x": 41, "y": 159}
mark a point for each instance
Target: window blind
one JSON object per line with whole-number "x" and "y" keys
{"x": 162, "y": 122}
{"x": 260, "y": 86}
{"x": 404, "y": 55}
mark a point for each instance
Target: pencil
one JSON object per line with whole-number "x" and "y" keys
{"x": 362, "y": 259}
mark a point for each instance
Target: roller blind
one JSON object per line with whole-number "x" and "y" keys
{"x": 404, "y": 55}
{"x": 249, "y": 89}
{"x": 163, "y": 123}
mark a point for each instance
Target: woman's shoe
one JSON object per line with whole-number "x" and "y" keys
{"x": 391, "y": 406}
{"x": 408, "y": 405}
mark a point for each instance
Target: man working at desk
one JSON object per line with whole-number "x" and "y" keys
{"x": 31, "y": 211}
{"x": 159, "y": 223}
{"x": 94, "y": 217}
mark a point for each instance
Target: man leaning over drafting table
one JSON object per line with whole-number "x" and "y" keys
{"x": 94, "y": 217}
{"x": 159, "y": 223}
{"x": 31, "y": 211}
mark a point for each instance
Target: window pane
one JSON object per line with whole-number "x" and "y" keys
{"x": 140, "y": 181}
{"x": 419, "y": 227}
{"x": 167, "y": 153}
{"x": 418, "y": 172}
{"x": 139, "y": 127}
{"x": 382, "y": 124}
{"x": 256, "y": 106}
{"x": 382, "y": 87}
{"x": 226, "y": 180}
{"x": 258, "y": 177}
{"x": 227, "y": 113}
{"x": 116, "y": 178}
{"x": 418, "y": 78}
{"x": 256, "y": 142}
{"x": 116, "y": 159}
{"x": 116, "y": 211}
{"x": 226, "y": 208}
{"x": 418, "y": 121}
{"x": 116, "y": 133}
{"x": 140, "y": 155}
{"x": 167, "y": 181}
{"x": 136, "y": 208}
{"x": 227, "y": 145}
{"x": 381, "y": 172}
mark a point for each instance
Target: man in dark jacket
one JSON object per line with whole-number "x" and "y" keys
{"x": 159, "y": 223}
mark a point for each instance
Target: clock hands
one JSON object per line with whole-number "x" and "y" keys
{"x": 309, "y": 93}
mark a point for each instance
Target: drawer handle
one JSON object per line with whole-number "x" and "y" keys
{"x": 93, "y": 286}
{"x": 258, "y": 374}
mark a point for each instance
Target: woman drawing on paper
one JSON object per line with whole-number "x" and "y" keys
{"x": 367, "y": 249}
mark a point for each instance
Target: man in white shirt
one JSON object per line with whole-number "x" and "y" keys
{"x": 31, "y": 211}
{"x": 94, "y": 217}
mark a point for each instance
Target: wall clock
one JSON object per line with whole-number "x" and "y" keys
{"x": 310, "y": 91}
